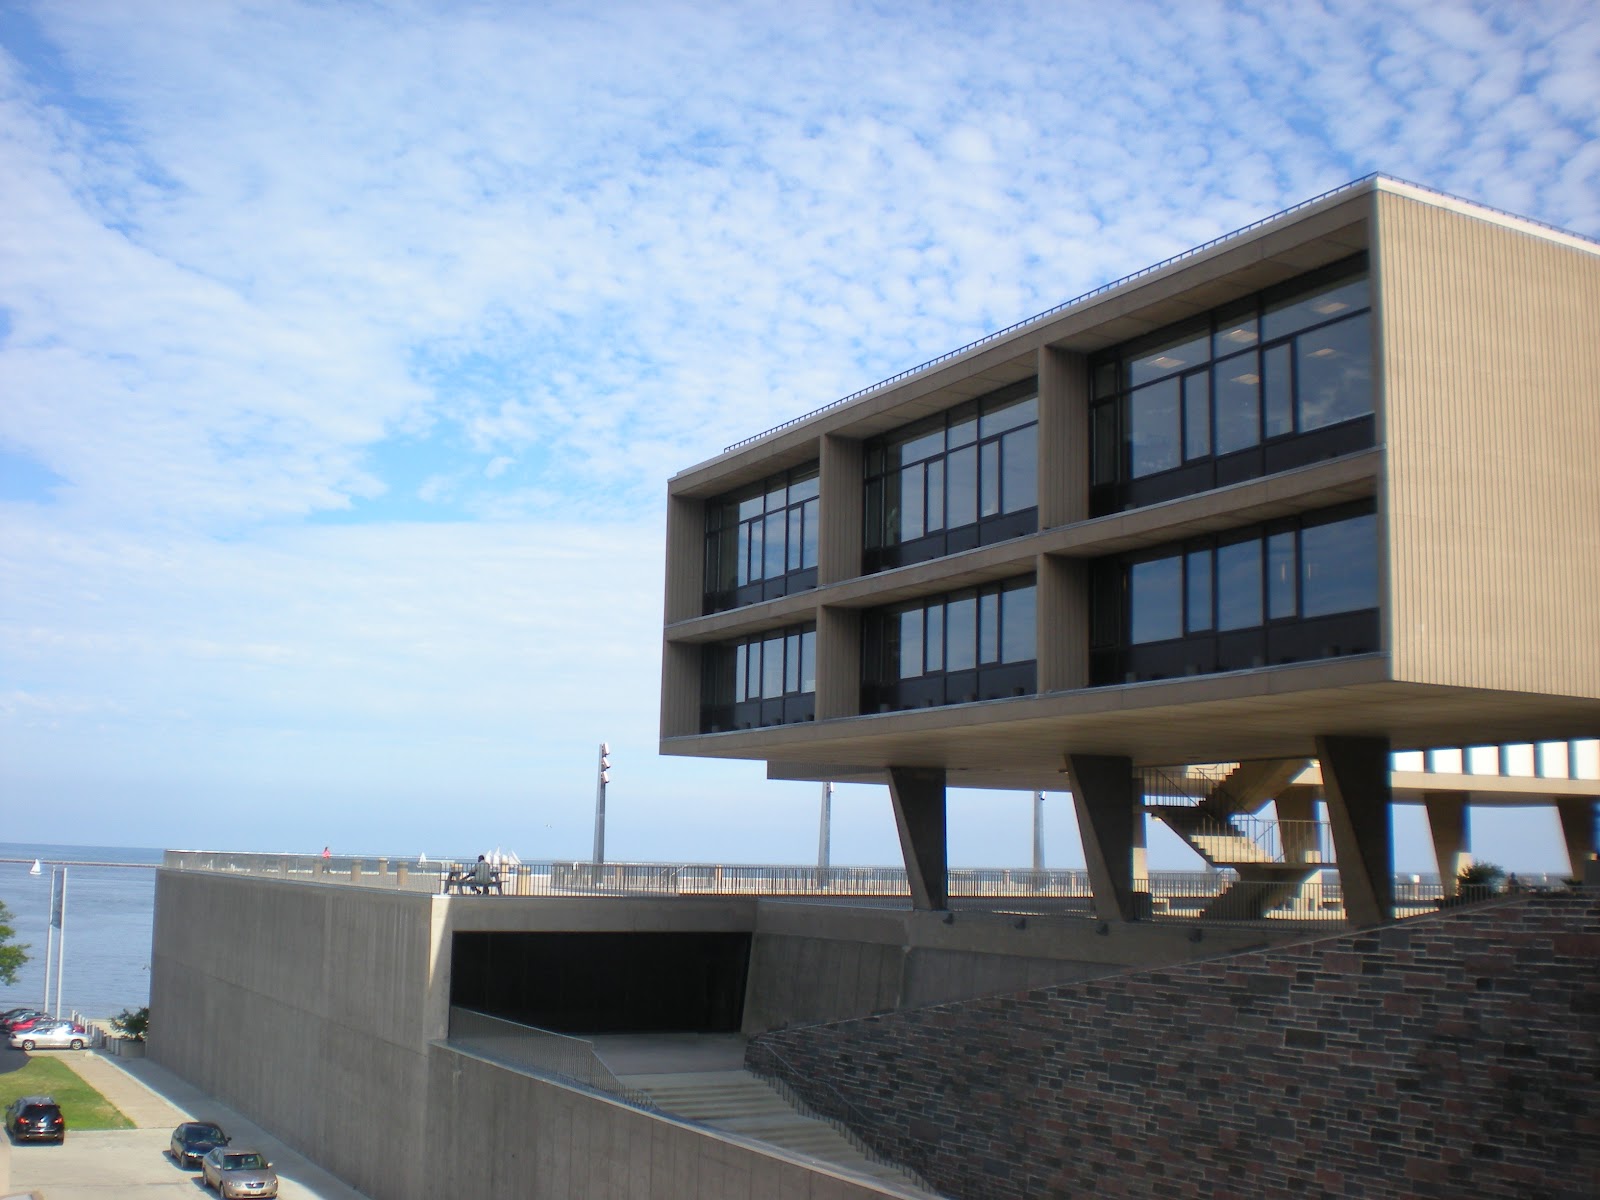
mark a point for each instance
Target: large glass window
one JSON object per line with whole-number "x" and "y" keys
{"x": 1278, "y": 380}
{"x": 1289, "y": 591}
{"x": 761, "y": 542}
{"x": 950, "y": 649}
{"x": 964, "y": 478}
{"x": 770, "y": 679}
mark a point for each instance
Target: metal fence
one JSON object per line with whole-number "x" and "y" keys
{"x": 541, "y": 1051}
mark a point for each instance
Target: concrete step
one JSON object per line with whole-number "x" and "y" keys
{"x": 741, "y": 1103}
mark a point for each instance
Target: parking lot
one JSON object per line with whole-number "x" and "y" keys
{"x": 129, "y": 1164}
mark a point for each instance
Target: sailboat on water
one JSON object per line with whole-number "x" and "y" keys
{"x": 35, "y": 869}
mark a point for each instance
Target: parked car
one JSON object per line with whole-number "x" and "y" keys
{"x": 36, "y": 1119}
{"x": 238, "y": 1173}
{"x": 59, "y": 1035}
{"x": 21, "y": 1016}
{"x": 193, "y": 1140}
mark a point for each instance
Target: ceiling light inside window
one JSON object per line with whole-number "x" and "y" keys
{"x": 1325, "y": 352}
{"x": 1328, "y": 306}
{"x": 1166, "y": 361}
{"x": 1241, "y": 336}
{"x": 1247, "y": 378}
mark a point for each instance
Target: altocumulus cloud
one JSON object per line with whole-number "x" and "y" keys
{"x": 345, "y": 349}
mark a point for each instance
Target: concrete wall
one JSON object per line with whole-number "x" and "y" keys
{"x": 308, "y": 1007}
{"x": 1448, "y": 1056}
{"x": 825, "y": 962}
{"x": 509, "y": 1134}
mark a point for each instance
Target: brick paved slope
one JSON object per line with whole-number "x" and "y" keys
{"x": 1448, "y": 1056}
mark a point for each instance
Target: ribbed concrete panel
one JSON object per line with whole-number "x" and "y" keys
{"x": 1063, "y": 624}
{"x": 680, "y": 689}
{"x": 1491, "y": 360}
{"x": 1063, "y": 438}
{"x": 686, "y": 556}
{"x": 838, "y": 663}
{"x": 841, "y": 473}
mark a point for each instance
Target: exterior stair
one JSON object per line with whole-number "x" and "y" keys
{"x": 742, "y": 1103}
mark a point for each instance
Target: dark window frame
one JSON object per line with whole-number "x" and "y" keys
{"x": 728, "y": 669}
{"x": 975, "y": 430}
{"x": 737, "y": 553}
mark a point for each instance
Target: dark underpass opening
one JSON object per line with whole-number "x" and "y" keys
{"x": 604, "y": 982}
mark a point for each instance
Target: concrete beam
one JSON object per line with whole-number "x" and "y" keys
{"x": 1578, "y": 831}
{"x": 1108, "y": 810}
{"x": 918, "y": 794}
{"x": 1355, "y": 780}
{"x": 1448, "y": 822}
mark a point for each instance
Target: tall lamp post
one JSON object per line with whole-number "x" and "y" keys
{"x": 1038, "y": 831}
{"x": 825, "y": 829}
{"x": 603, "y": 777}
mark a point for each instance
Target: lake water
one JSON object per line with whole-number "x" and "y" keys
{"x": 108, "y": 917}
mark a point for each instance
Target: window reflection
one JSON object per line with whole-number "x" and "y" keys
{"x": 1339, "y": 566}
{"x": 1156, "y": 600}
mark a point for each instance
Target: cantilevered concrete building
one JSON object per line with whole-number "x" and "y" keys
{"x": 1326, "y": 489}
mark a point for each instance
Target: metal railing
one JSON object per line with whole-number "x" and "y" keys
{"x": 541, "y": 1051}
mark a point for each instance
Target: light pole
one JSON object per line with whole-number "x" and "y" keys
{"x": 825, "y": 829}
{"x": 1038, "y": 831}
{"x": 603, "y": 773}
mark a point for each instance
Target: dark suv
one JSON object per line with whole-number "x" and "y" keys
{"x": 36, "y": 1119}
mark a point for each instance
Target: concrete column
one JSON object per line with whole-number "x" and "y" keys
{"x": 1355, "y": 780}
{"x": 1108, "y": 810}
{"x": 680, "y": 689}
{"x": 1063, "y": 438}
{"x": 1577, "y": 829}
{"x": 919, "y": 814}
{"x": 1062, "y": 631}
{"x": 838, "y": 663}
{"x": 686, "y": 559}
{"x": 1296, "y": 807}
{"x": 1452, "y": 838}
{"x": 842, "y": 486}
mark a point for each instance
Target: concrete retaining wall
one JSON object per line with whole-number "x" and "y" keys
{"x": 1444, "y": 1057}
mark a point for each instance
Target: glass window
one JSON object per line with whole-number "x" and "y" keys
{"x": 1177, "y": 354}
{"x": 808, "y": 661}
{"x": 1156, "y": 600}
{"x": 911, "y": 510}
{"x": 806, "y": 488}
{"x": 1107, "y": 467}
{"x": 1197, "y": 577}
{"x": 1239, "y": 585}
{"x": 1238, "y": 411}
{"x": 1017, "y": 616}
{"x": 1196, "y": 415}
{"x": 1009, "y": 416}
{"x": 911, "y": 643}
{"x": 1236, "y": 330}
{"x": 1339, "y": 566}
{"x": 918, "y": 448}
{"x": 772, "y": 668}
{"x": 808, "y": 543}
{"x": 791, "y": 663}
{"x": 797, "y": 537}
{"x": 750, "y": 564}
{"x": 1019, "y": 469}
{"x": 989, "y": 479}
{"x": 1306, "y": 308}
{"x": 989, "y": 627}
{"x": 773, "y": 560}
{"x": 741, "y": 672}
{"x": 935, "y": 622}
{"x": 961, "y": 634}
{"x": 1335, "y": 373}
{"x": 1153, "y": 428}
{"x": 961, "y": 487}
{"x": 1280, "y": 576}
{"x": 935, "y": 469}
{"x": 963, "y": 430}
{"x": 1277, "y": 391}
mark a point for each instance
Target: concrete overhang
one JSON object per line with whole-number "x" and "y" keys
{"x": 1274, "y": 712}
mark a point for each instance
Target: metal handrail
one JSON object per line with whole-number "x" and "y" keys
{"x": 543, "y": 1051}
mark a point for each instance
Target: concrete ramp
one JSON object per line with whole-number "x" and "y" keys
{"x": 739, "y": 1102}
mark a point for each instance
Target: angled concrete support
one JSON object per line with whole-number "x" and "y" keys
{"x": 1577, "y": 829}
{"x": 1296, "y": 808}
{"x": 919, "y": 814}
{"x": 1452, "y": 839}
{"x": 1355, "y": 781}
{"x": 1111, "y": 822}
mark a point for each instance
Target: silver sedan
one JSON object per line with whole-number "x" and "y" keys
{"x": 59, "y": 1035}
{"x": 238, "y": 1173}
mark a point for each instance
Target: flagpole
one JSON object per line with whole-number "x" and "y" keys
{"x": 49, "y": 939}
{"x": 61, "y": 940}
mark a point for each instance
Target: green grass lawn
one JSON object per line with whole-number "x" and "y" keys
{"x": 84, "y": 1108}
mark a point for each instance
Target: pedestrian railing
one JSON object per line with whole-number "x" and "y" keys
{"x": 541, "y": 1051}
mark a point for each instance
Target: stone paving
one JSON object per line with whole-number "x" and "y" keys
{"x": 130, "y": 1164}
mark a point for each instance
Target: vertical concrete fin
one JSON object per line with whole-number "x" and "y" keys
{"x": 919, "y": 814}
{"x": 1355, "y": 779}
{"x": 1448, "y": 823}
{"x": 1103, "y": 794}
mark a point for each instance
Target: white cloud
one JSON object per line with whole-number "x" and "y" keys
{"x": 508, "y": 267}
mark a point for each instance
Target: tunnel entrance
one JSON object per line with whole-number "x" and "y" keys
{"x": 586, "y": 983}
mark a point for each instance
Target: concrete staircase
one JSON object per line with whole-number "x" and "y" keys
{"x": 741, "y": 1103}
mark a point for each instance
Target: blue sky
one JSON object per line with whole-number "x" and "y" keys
{"x": 345, "y": 350}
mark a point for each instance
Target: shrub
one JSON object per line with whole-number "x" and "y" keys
{"x": 132, "y": 1023}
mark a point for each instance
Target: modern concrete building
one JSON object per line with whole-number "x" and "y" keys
{"x": 1321, "y": 490}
